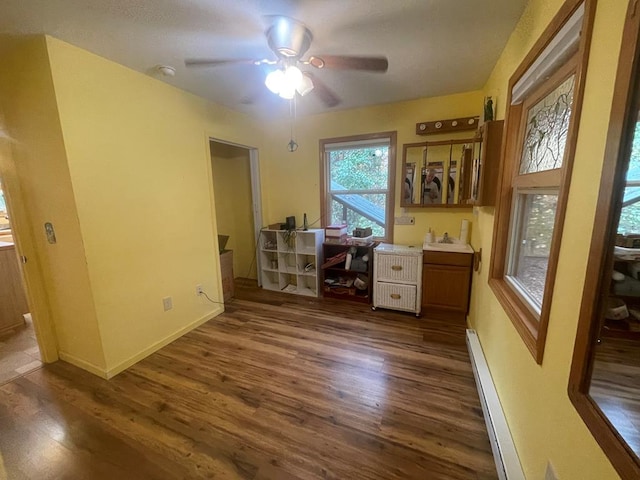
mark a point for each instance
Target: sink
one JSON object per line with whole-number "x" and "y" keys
{"x": 448, "y": 247}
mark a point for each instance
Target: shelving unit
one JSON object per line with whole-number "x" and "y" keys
{"x": 627, "y": 290}
{"x": 343, "y": 285}
{"x": 289, "y": 260}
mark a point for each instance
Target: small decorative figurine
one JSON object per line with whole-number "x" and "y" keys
{"x": 488, "y": 109}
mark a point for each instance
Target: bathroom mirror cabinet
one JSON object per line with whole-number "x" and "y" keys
{"x": 604, "y": 383}
{"x": 453, "y": 173}
{"x": 438, "y": 173}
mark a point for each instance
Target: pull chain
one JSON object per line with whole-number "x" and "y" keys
{"x": 292, "y": 145}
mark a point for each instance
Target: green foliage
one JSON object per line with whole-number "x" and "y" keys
{"x": 357, "y": 170}
{"x": 360, "y": 169}
{"x": 630, "y": 215}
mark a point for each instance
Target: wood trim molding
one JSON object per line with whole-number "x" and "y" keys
{"x": 533, "y": 329}
{"x": 393, "y": 152}
{"x": 626, "y": 102}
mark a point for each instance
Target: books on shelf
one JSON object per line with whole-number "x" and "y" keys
{"x": 335, "y": 231}
{"x": 342, "y": 239}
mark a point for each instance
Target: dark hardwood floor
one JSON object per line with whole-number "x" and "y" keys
{"x": 278, "y": 387}
{"x": 615, "y": 386}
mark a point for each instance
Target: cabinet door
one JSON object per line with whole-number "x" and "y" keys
{"x": 445, "y": 287}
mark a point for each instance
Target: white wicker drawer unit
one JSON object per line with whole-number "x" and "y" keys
{"x": 397, "y": 276}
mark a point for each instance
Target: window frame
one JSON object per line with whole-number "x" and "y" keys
{"x": 390, "y": 203}
{"x": 516, "y": 237}
{"x": 532, "y": 327}
{"x": 620, "y": 136}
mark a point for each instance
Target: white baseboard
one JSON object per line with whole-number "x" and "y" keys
{"x": 502, "y": 446}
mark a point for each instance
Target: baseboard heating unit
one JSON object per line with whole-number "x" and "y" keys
{"x": 502, "y": 446}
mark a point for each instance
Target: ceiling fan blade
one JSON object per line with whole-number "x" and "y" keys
{"x": 328, "y": 97}
{"x": 346, "y": 62}
{"x": 205, "y": 62}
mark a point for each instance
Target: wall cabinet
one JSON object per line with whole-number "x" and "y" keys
{"x": 397, "y": 272}
{"x": 289, "y": 260}
{"x": 484, "y": 170}
{"x": 446, "y": 281}
{"x": 353, "y": 283}
{"x": 455, "y": 173}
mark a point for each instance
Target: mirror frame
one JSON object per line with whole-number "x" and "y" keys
{"x": 624, "y": 115}
{"x": 476, "y": 141}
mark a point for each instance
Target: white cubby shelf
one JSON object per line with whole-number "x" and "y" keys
{"x": 290, "y": 260}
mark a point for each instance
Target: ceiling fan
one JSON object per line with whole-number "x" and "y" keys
{"x": 289, "y": 40}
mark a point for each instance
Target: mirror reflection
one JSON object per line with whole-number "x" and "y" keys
{"x": 439, "y": 173}
{"x": 615, "y": 380}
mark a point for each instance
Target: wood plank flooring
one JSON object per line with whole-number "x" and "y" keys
{"x": 278, "y": 387}
{"x": 615, "y": 386}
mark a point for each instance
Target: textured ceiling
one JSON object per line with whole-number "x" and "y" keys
{"x": 434, "y": 47}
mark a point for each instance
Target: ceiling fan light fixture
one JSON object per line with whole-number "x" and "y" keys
{"x": 293, "y": 76}
{"x": 287, "y": 91}
{"x": 289, "y": 37}
{"x": 304, "y": 86}
{"x": 275, "y": 80}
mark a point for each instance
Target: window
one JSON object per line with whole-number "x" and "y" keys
{"x": 545, "y": 97}
{"x": 630, "y": 213}
{"x": 602, "y": 384}
{"x": 358, "y": 179}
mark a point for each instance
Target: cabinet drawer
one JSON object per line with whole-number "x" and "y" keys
{"x": 448, "y": 258}
{"x": 398, "y": 268}
{"x": 395, "y": 296}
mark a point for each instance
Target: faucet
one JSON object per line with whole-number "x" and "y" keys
{"x": 445, "y": 238}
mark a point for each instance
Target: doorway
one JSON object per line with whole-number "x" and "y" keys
{"x": 236, "y": 184}
{"x": 19, "y": 350}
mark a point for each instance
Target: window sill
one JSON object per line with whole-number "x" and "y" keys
{"x": 525, "y": 322}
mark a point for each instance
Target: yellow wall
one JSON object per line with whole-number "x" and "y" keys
{"x": 543, "y": 422}
{"x": 119, "y": 162}
{"x": 139, "y": 161}
{"x": 234, "y": 210}
{"x": 130, "y": 194}
{"x": 39, "y": 164}
{"x": 291, "y": 180}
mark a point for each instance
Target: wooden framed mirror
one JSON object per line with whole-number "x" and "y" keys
{"x": 439, "y": 173}
{"x": 604, "y": 383}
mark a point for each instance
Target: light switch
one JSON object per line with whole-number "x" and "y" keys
{"x": 51, "y": 234}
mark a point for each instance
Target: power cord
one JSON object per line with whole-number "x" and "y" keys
{"x": 202, "y": 292}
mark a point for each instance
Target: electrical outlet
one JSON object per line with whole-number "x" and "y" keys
{"x": 405, "y": 220}
{"x": 199, "y": 290}
{"x": 167, "y": 303}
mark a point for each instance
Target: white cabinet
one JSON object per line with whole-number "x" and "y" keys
{"x": 289, "y": 260}
{"x": 397, "y": 276}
